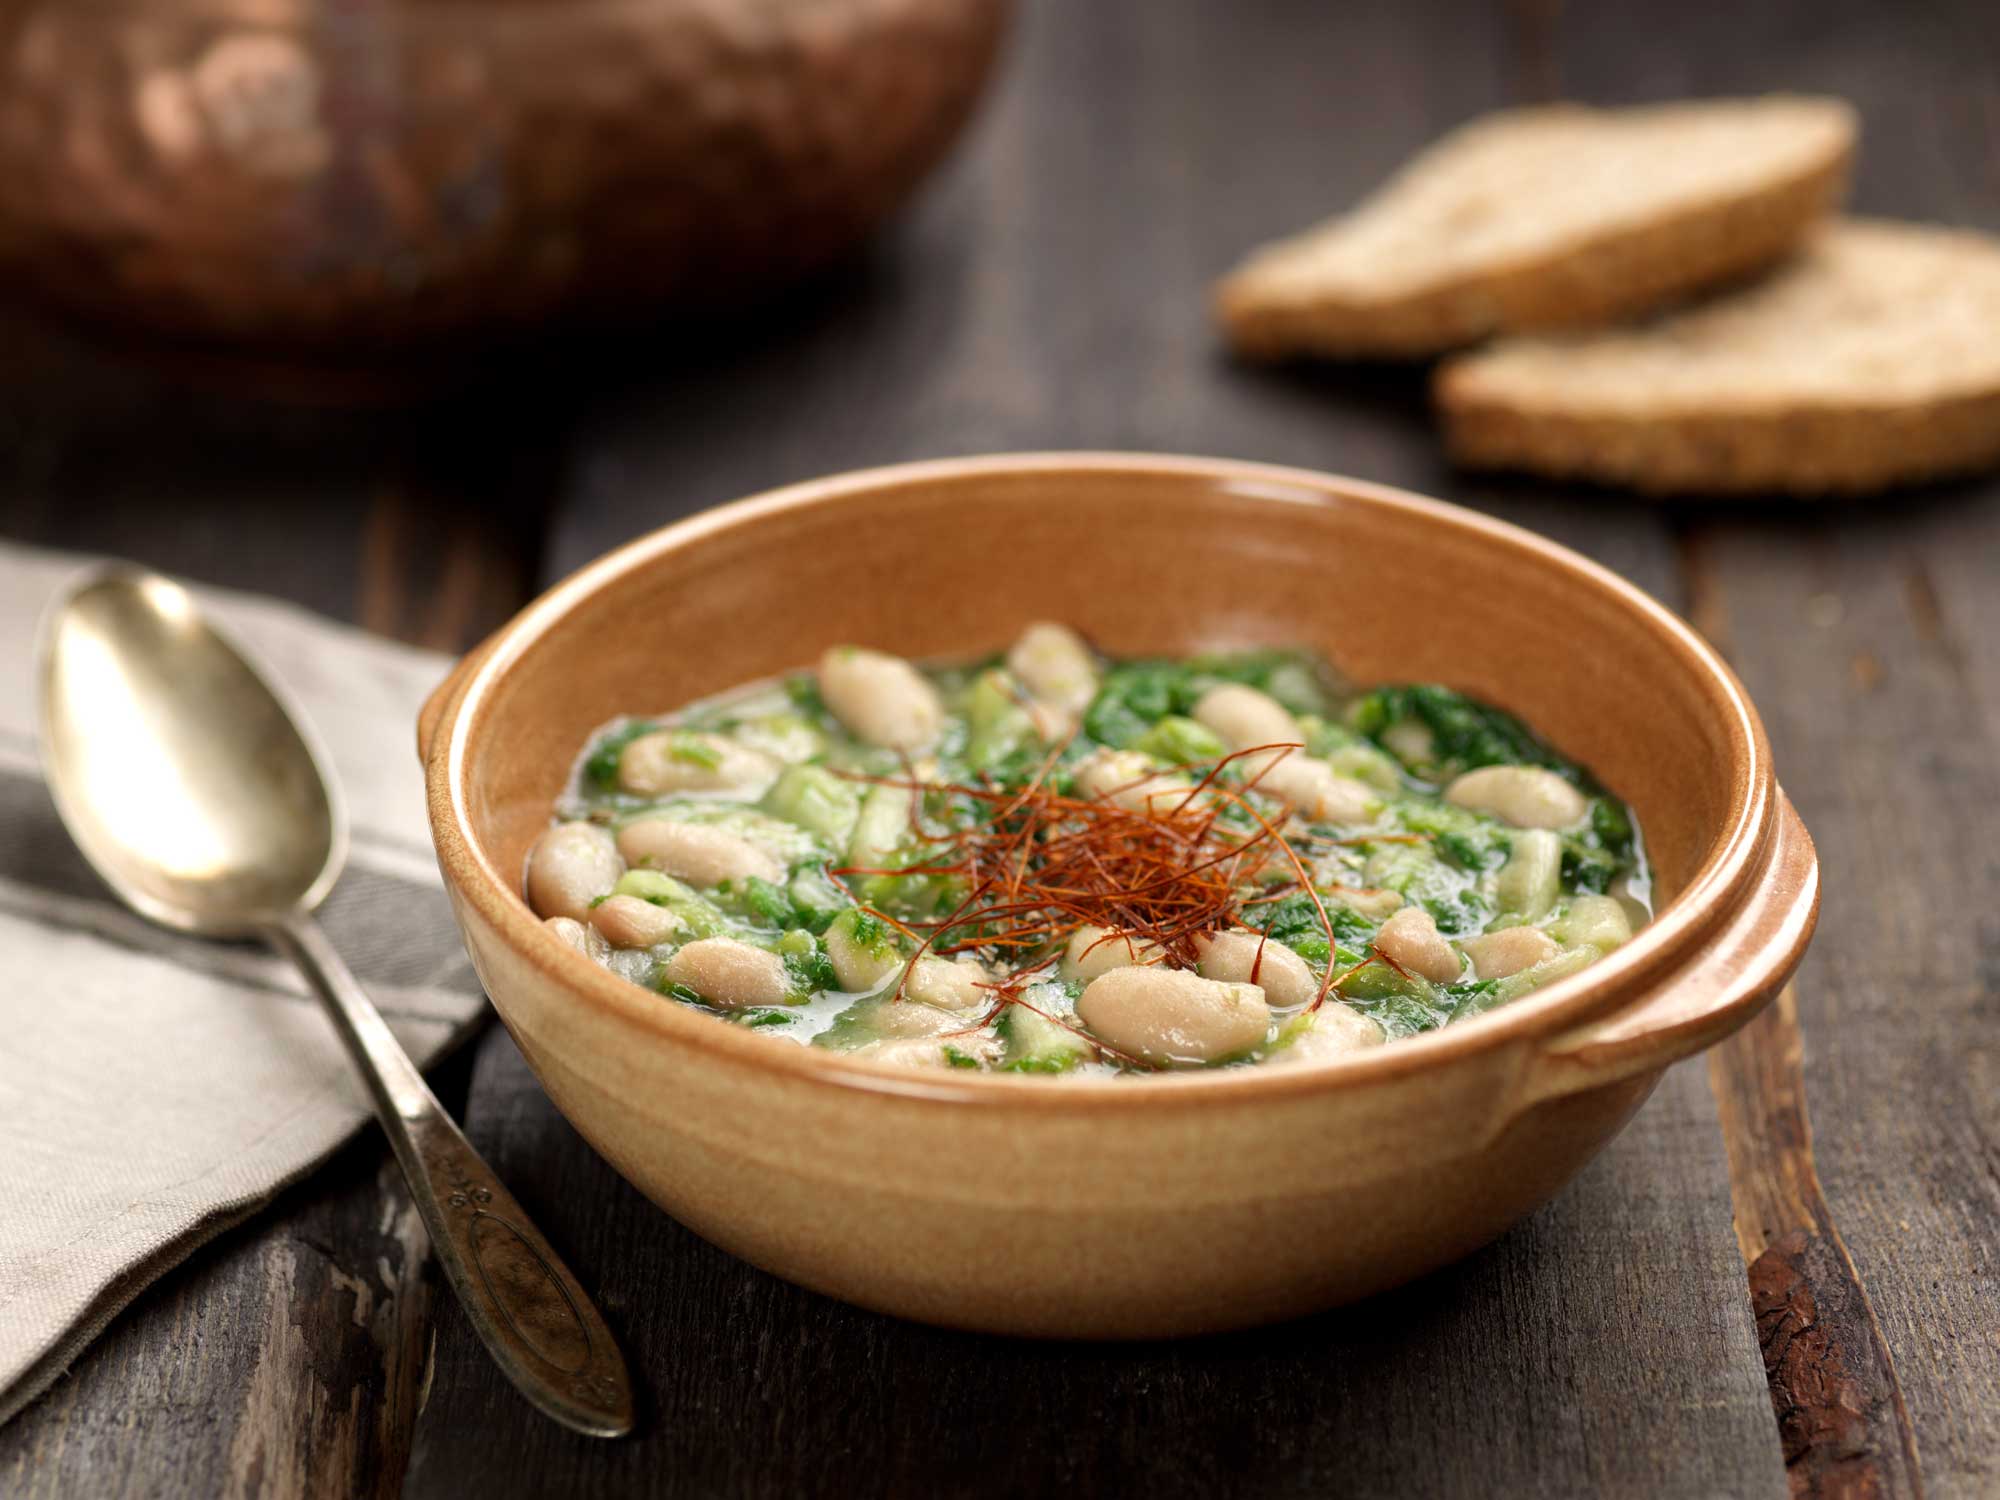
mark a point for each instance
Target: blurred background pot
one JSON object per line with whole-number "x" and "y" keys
{"x": 353, "y": 180}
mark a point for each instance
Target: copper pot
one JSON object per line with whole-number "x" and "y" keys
{"x": 1119, "y": 1207}
{"x": 362, "y": 177}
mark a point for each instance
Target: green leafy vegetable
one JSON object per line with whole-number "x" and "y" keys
{"x": 601, "y": 769}
{"x": 1464, "y": 734}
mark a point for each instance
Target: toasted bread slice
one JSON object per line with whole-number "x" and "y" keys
{"x": 1869, "y": 360}
{"x": 1544, "y": 218}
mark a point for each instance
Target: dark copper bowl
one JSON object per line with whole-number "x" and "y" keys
{"x": 353, "y": 178}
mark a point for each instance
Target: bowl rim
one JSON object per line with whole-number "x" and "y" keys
{"x": 1709, "y": 896}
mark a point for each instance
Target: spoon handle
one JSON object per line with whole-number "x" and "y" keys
{"x": 525, "y": 1305}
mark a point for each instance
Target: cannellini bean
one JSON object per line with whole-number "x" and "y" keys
{"x": 1372, "y": 902}
{"x": 1249, "y": 958}
{"x": 586, "y": 940}
{"x": 1596, "y": 922}
{"x": 1120, "y": 777}
{"x": 1411, "y": 742}
{"x": 860, "y": 965}
{"x": 1633, "y": 892}
{"x": 1317, "y": 792}
{"x": 1334, "y": 1030}
{"x": 1097, "y": 950}
{"x": 1172, "y": 1017}
{"x": 1056, "y": 667}
{"x": 1526, "y": 796}
{"x": 1530, "y": 881}
{"x": 725, "y": 972}
{"x": 947, "y": 983}
{"x": 1244, "y": 717}
{"x": 1495, "y": 955}
{"x": 881, "y": 699}
{"x": 633, "y": 922}
{"x": 695, "y": 853}
{"x": 571, "y": 866}
{"x": 911, "y": 1018}
{"x": 929, "y": 1052}
{"x": 685, "y": 760}
{"x": 1411, "y": 939}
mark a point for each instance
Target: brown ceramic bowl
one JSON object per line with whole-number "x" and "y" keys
{"x": 1111, "y": 1208}
{"x": 342, "y": 182}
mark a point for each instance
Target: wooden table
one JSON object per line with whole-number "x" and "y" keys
{"x": 1047, "y": 293}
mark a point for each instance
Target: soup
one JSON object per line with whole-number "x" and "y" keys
{"x": 1051, "y": 863}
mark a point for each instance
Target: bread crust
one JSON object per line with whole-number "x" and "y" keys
{"x": 1603, "y": 275}
{"x": 1797, "y": 451}
{"x": 1847, "y": 438}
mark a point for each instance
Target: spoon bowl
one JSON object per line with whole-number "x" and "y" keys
{"x": 181, "y": 773}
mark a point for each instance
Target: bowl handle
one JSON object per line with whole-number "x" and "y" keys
{"x": 431, "y": 715}
{"x": 1746, "y": 961}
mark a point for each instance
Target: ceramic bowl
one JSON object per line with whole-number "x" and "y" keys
{"x": 1121, "y": 1207}
{"x": 367, "y": 182}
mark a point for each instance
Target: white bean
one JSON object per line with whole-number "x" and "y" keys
{"x": 1596, "y": 922}
{"x": 929, "y": 1052}
{"x": 1121, "y": 778}
{"x": 1244, "y": 717}
{"x": 1530, "y": 881}
{"x": 1092, "y": 951}
{"x": 1318, "y": 793}
{"x": 571, "y": 866}
{"x": 1411, "y": 939}
{"x": 1372, "y": 902}
{"x": 1526, "y": 796}
{"x": 1411, "y": 741}
{"x": 1334, "y": 1030}
{"x": 633, "y": 922}
{"x": 860, "y": 965}
{"x": 684, "y": 760}
{"x": 1172, "y": 1017}
{"x": 894, "y": 1019}
{"x": 586, "y": 940}
{"x": 1249, "y": 958}
{"x": 693, "y": 852}
{"x": 882, "y": 699}
{"x": 1495, "y": 955}
{"x": 1056, "y": 667}
{"x": 725, "y": 972}
{"x": 947, "y": 983}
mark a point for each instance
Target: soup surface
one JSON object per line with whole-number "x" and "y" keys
{"x": 1052, "y": 863}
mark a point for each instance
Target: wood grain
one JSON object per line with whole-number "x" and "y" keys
{"x": 1893, "y": 767}
{"x": 1049, "y": 292}
{"x": 1842, "y": 1419}
{"x": 1567, "y": 1360}
{"x": 286, "y": 1358}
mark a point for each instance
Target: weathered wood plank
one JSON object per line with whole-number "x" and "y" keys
{"x": 1861, "y": 631}
{"x": 1842, "y": 1419}
{"x": 284, "y": 1359}
{"x": 1884, "y": 735}
{"x": 1052, "y": 294}
{"x": 1557, "y": 1363}
{"x": 287, "y": 1358}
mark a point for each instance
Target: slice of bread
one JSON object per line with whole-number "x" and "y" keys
{"x": 1544, "y": 218}
{"x": 1871, "y": 359}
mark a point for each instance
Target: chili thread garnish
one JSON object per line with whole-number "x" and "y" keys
{"x": 1038, "y": 865}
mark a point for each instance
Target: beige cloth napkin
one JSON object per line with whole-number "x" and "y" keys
{"x": 155, "y": 1090}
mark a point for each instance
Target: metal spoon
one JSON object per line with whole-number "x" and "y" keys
{"x": 205, "y": 804}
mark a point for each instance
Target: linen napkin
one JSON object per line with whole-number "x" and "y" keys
{"x": 156, "y": 1090}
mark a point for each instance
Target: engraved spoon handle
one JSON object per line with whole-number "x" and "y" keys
{"x": 527, "y": 1308}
